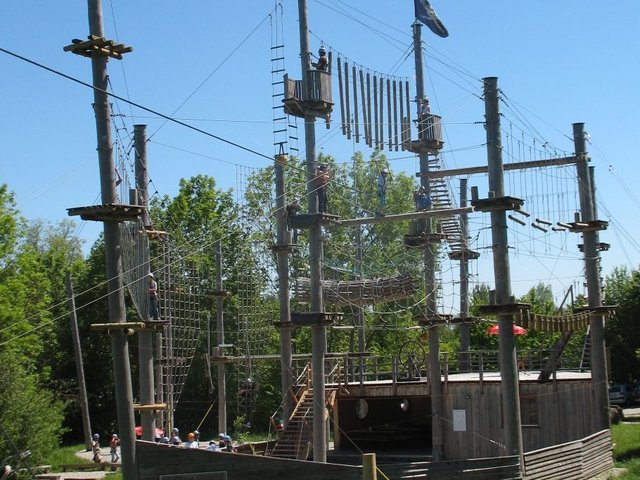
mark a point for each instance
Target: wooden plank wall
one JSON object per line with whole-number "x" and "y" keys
{"x": 581, "y": 459}
{"x": 475, "y": 469}
{"x": 156, "y": 460}
{"x": 552, "y": 413}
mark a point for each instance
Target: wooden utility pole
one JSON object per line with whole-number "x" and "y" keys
{"x": 282, "y": 248}
{"x": 99, "y": 50}
{"x": 77, "y": 350}
{"x": 318, "y": 331}
{"x": 502, "y": 274}
{"x": 465, "y": 341}
{"x": 145, "y": 337}
{"x": 435, "y": 380}
{"x": 586, "y": 188}
{"x": 222, "y": 389}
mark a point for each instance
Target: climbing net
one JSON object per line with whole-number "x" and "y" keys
{"x": 179, "y": 283}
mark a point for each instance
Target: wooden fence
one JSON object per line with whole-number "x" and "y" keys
{"x": 581, "y": 459}
{"x": 474, "y": 469}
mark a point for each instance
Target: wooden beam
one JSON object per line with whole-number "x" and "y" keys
{"x": 401, "y": 217}
{"x": 149, "y": 407}
{"x": 551, "y": 162}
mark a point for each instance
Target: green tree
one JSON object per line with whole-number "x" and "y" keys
{"x": 29, "y": 415}
{"x": 622, "y": 332}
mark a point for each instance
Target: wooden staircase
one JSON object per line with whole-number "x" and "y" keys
{"x": 296, "y": 440}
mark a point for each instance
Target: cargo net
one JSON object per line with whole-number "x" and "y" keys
{"x": 135, "y": 247}
{"x": 179, "y": 298}
{"x": 358, "y": 292}
{"x": 257, "y": 297}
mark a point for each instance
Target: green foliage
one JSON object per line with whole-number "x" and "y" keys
{"x": 626, "y": 438}
{"x": 30, "y": 416}
{"x": 622, "y": 333}
{"x": 66, "y": 456}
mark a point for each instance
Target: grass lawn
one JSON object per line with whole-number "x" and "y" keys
{"x": 626, "y": 450}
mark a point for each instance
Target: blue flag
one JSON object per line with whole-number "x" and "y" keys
{"x": 426, "y": 15}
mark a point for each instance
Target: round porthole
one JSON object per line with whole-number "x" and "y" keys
{"x": 362, "y": 408}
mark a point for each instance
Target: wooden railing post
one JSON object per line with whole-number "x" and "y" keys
{"x": 369, "y": 468}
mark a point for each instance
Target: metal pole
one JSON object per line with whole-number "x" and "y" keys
{"x": 284, "y": 238}
{"x": 77, "y": 350}
{"x": 145, "y": 338}
{"x": 222, "y": 389}
{"x": 464, "y": 280}
{"x": 435, "y": 379}
{"x": 586, "y": 188}
{"x": 113, "y": 259}
{"x": 318, "y": 332}
{"x": 502, "y": 275}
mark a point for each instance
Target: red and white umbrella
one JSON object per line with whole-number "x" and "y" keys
{"x": 495, "y": 330}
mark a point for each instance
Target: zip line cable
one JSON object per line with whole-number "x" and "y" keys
{"x": 137, "y": 105}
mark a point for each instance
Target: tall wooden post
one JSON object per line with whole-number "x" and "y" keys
{"x": 77, "y": 350}
{"x": 464, "y": 281}
{"x": 222, "y": 389}
{"x": 113, "y": 258}
{"x": 592, "y": 267}
{"x": 502, "y": 274}
{"x": 435, "y": 379}
{"x": 145, "y": 338}
{"x": 318, "y": 332}
{"x": 284, "y": 241}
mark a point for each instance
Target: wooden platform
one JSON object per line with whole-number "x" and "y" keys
{"x": 110, "y": 212}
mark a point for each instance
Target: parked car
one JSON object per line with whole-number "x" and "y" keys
{"x": 635, "y": 394}
{"x": 619, "y": 395}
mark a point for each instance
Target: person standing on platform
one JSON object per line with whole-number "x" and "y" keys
{"x": 322, "y": 178}
{"x": 154, "y": 313}
{"x": 322, "y": 63}
{"x": 381, "y": 191}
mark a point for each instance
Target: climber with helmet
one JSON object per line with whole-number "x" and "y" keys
{"x": 323, "y": 62}
{"x": 175, "y": 437}
{"x": 95, "y": 447}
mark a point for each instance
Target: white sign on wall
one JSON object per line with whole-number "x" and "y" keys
{"x": 459, "y": 420}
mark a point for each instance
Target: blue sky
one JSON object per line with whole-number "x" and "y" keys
{"x": 208, "y": 64}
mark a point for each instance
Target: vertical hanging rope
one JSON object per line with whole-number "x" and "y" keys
{"x": 403, "y": 139}
{"x": 347, "y": 100}
{"x": 389, "y": 112}
{"x": 381, "y": 126}
{"x": 344, "y": 127}
{"x": 363, "y": 102}
{"x": 355, "y": 104}
{"x": 395, "y": 115}
{"x": 375, "y": 110}
{"x": 369, "y": 108}
{"x": 408, "y": 105}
